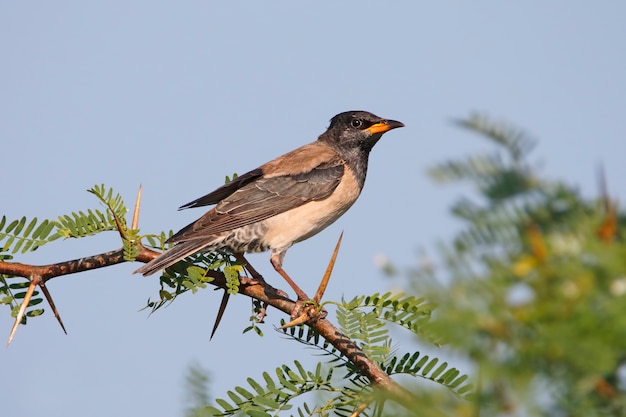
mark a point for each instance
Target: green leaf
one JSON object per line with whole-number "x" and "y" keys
{"x": 35, "y": 313}
{"x": 234, "y": 397}
{"x": 244, "y": 392}
{"x": 429, "y": 366}
{"x": 256, "y": 386}
{"x": 21, "y": 295}
{"x": 224, "y": 404}
{"x": 257, "y": 413}
{"x": 439, "y": 370}
{"x": 20, "y": 226}
{"x": 267, "y": 402}
{"x": 165, "y": 295}
{"x": 30, "y": 227}
{"x": 284, "y": 381}
{"x": 211, "y": 411}
{"x": 34, "y": 301}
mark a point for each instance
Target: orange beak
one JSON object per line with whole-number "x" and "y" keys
{"x": 384, "y": 126}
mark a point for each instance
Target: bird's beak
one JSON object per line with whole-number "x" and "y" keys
{"x": 384, "y": 126}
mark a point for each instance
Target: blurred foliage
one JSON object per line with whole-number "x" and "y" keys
{"x": 197, "y": 383}
{"x": 532, "y": 291}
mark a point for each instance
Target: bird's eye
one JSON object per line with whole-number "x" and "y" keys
{"x": 356, "y": 123}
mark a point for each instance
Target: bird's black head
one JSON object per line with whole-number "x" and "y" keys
{"x": 357, "y": 130}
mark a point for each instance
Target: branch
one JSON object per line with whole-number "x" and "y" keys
{"x": 47, "y": 272}
{"x": 252, "y": 288}
{"x": 258, "y": 289}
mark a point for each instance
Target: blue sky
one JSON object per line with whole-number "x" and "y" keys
{"x": 175, "y": 96}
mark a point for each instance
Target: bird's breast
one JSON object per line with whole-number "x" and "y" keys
{"x": 302, "y": 222}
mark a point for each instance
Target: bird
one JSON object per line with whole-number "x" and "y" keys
{"x": 284, "y": 201}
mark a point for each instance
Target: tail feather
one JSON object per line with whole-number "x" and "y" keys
{"x": 173, "y": 255}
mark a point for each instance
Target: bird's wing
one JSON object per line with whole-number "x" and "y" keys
{"x": 309, "y": 173}
{"x": 225, "y": 190}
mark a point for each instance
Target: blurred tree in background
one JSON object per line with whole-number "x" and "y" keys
{"x": 532, "y": 291}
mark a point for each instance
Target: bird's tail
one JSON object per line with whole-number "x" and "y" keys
{"x": 174, "y": 254}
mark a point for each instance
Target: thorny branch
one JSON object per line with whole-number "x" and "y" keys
{"x": 257, "y": 289}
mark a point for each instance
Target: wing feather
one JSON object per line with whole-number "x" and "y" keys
{"x": 265, "y": 197}
{"x": 225, "y": 190}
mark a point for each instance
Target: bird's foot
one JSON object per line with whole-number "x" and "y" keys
{"x": 307, "y": 309}
{"x": 301, "y": 307}
{"x": 304, "y": 311}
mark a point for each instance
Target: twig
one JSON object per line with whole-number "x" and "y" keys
{"x": 257, "y": 289}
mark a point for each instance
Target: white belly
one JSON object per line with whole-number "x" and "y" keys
{"x": 305, "y": 221}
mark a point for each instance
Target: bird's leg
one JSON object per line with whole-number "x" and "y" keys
{"x": 244, "y": 262}
{"x": 276, "y": 260}
{"x": 303, "y": 318}
{"x": 301, "y": 294}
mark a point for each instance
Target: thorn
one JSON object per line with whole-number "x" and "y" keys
{"x": 608, "y": 228}
{"x": 246, "y": 265}
{"x": 220, "y": 312}
{"x": 311, "y": 311}
{"x": 118, "y": 224}
{"x": 135, "y": 224}
{"x": 45, "y": 291}
{"x": 301, "y": 319}
{"x": 536, "y": 242}
{"x": 329, "y": 270}
{"x": 20, "y": 314}
{"x": 604, "y": 193}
